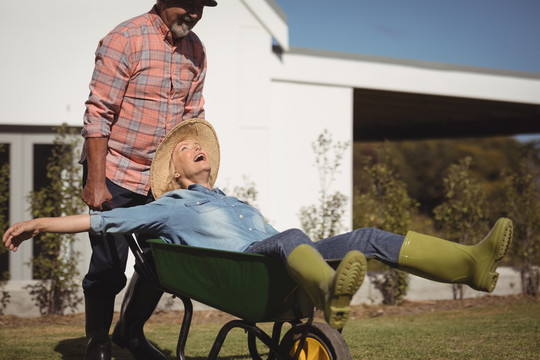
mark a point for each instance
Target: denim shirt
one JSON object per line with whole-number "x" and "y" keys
{"x": 197, "y": 217}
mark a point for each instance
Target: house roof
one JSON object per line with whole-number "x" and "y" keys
{"x": 272, "y": 18}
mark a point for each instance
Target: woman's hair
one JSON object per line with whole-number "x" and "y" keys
{"x": 172, "y": 184}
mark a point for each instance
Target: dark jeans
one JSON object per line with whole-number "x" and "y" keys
{"x": 373, "y": 243}
{"x": 105, "y": 277}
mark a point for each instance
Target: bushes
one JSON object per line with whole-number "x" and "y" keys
{"x": 385, "y": 204}
{"x": 463, "y": 216}
{"x": 463, "y": 186}
{"x": 523, "y": 207}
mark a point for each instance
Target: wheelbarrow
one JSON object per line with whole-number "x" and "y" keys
{"x": 253, "y": 287}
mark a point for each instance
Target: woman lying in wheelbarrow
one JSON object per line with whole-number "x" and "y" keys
{"x": 190, "y": 211}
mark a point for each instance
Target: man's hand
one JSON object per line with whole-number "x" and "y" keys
{"x": 19, "y": 232}
{"x": 95, "y": 194}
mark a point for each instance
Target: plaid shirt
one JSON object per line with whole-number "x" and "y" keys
{"x": 143, "y": 84}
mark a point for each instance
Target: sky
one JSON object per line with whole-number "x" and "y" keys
{"x": 496, "y": 34}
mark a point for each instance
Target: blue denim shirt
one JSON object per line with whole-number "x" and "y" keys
{"x": 197, "y": 217}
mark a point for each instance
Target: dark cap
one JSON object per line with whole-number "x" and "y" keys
{"x": 210, "y": 3}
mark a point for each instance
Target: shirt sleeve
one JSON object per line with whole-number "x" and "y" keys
{"x": 150, "y": 218}
{"x": 108, "y": 85}
{"x": 194, "y": 104}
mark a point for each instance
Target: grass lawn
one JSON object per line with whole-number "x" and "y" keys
{"x": 508, "y": 329}
{"x": 493, "y": 332}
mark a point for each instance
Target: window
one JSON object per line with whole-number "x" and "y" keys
{"x": 27, "y": 151}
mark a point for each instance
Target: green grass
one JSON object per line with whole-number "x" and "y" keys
{"x": 494, "y": 332}
{"x": 509, "y": 331}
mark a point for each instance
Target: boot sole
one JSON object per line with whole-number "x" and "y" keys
{"x": 505, "y": 230}
{"x": 347, "y": 280}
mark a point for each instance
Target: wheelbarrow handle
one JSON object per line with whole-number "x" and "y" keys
{"x": 144, "y": 267}
{"x": 141, "y": 264}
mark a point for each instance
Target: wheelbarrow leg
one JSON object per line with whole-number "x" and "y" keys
{"x": 251, "y": 329}
{"x": 184, "y": 330}
{"x": 252, "y": 345}
{"x": 276, "y": 335}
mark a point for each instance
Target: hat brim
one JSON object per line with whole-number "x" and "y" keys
{"x": 196, "y": 129}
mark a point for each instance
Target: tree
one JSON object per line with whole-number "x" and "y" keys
{"x": 523, "y": 206}
{"x": 420, "y": 163}
{"x": 324, "y": 219}
{"x": 56, "y": 263}
{"x": 384, "y": 204}
{"x": 463, "y": 215}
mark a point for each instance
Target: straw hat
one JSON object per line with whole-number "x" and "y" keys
{"x": 196, "y": 129}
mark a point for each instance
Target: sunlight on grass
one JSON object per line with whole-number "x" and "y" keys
{"x": 509, "y": 332}
{"x": 479, "y": 332}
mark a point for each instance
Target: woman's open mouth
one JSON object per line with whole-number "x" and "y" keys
{"x": 199, "y": 157}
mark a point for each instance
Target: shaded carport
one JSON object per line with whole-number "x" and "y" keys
{"x": 392, "y": 115}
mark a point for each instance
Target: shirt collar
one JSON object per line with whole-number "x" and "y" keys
{"x": 197, "y": 187}
{"x": 160, "y": 26}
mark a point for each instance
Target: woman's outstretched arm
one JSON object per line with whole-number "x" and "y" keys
{"x": 25, "y": 230}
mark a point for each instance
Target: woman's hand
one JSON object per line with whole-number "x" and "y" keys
{"x": 24, "y": 230}
{"x": 17, "y": 233}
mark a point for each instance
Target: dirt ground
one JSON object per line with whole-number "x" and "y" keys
{"x": 362, "y": 311}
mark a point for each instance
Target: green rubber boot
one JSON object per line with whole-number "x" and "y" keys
{"x": 330, "y": 291}
{"x": 347, "y": 280}
{"x": 445, "y": 261}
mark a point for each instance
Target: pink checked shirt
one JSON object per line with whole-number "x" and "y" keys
{"x": 143, "y": 85}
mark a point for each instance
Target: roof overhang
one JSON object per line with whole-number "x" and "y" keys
{"x": 272, "y": 18}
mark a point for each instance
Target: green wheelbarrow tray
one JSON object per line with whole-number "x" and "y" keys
{"x": 253, "y": 287}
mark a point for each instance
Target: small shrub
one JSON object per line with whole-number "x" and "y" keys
{"x": 384, "y": 204}
{"x": 523, "y": 207}
{"x": 324, "y": 219}
{"x": 463, "y": 215}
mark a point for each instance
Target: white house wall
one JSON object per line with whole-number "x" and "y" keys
{"x": 48, "y": 53}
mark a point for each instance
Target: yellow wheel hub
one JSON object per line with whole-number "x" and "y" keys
{"x": 312, "y": 350}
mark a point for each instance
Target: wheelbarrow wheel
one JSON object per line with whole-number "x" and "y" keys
{"x": 321, "y": 343}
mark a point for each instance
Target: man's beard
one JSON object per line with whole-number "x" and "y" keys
{"x": 181, "y": 30}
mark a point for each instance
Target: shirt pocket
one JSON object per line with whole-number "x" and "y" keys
{"x": 253, "y": 216}
{"x": 202, "y": 206}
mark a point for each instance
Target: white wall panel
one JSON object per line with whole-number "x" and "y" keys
{"x": 48, "y": 54}
{"x": 300, "y": 114}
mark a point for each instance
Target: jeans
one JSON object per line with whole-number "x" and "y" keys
{"x": 373, "y": 243}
